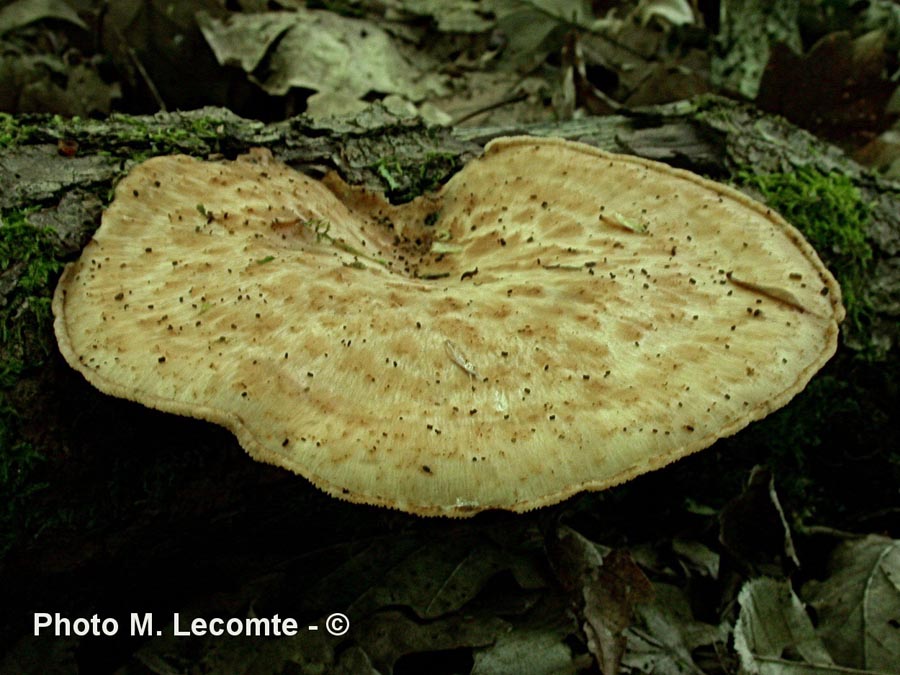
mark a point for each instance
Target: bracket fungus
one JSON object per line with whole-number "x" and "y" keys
{"x": 555, "y": 319}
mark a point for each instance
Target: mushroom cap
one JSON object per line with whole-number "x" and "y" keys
{"x": 556, "y": 319}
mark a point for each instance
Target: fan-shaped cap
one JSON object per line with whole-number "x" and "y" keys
{"x": 555, "y": 319}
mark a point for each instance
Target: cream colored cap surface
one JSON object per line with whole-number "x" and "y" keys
{"x": 556, "y": 319}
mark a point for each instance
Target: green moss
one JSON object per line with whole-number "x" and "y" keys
{"x": 12, "y": 132}
{"x": 8, "y": 130}
{"x": 118, "y": 134}
{"x": 16, "y": 130}
{"x": 795, "y": 433}
{"x": 28, "y": 256}
{"x": 831, "y": 214}
{"x": 199, "y": 137}
{"x": 405, "y": 180}
{"x": 19, "y": 478}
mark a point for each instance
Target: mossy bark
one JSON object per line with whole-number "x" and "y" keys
{"x": 94, "y": 485}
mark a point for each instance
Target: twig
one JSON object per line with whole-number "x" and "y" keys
{"x": 154, "y": 92}
{"x": 491, "y": 106}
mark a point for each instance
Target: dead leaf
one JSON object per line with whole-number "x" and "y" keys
{"x": 536, "y": 648}
{"x": 574, "y": 557}
{"x": 774, "y": 635}
{"x": 33, "y": 655}
{"x": 747, "y": 30}
{"x": 610, "y": 596}
{"x": 577, "y": 91}
{"x": 674, "y": 79}
{"x": 243, "y": 40}
{"x": 608, "y": 584}
{"x": 858, "y": 606}
{"x": 839, "y": 90}
{"x": 670, "y": 12}
{"x": 535, "y": 28}
{"x": 319, "y": 50}
{"x": 84, "y": 94}
{"x": 632, "y": 62}
{"x": 665, "y": 633}
{"x": 23, "y": 12}
{"x": 753, "y": 529}
{"x": 882, "y": 154}
{"x": 390, "y": 635}
{"x": 696, "y": 557}
{"x": 526, "y": 653}
{"x": 436, "y": 579}
{"x": 496, "y": 98}
{"x": 451, "y": 16}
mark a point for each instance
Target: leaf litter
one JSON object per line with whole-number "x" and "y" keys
{"x": 569, "y": 592}
{"x": 828, "y": 66}
{"x": 516, "y": 597}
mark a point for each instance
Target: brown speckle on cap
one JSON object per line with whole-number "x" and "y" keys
{"x": 489, "y": 367}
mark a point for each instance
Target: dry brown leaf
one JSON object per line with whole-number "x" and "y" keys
{"x": 858, "y": 605}
{"x": 838, "y": 90}
{"x": 753, "y": 528}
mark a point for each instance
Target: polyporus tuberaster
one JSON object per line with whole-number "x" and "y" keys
{"x": 555, "y": 319}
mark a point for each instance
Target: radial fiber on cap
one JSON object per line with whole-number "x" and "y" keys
{"x": 556, "y": 319}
